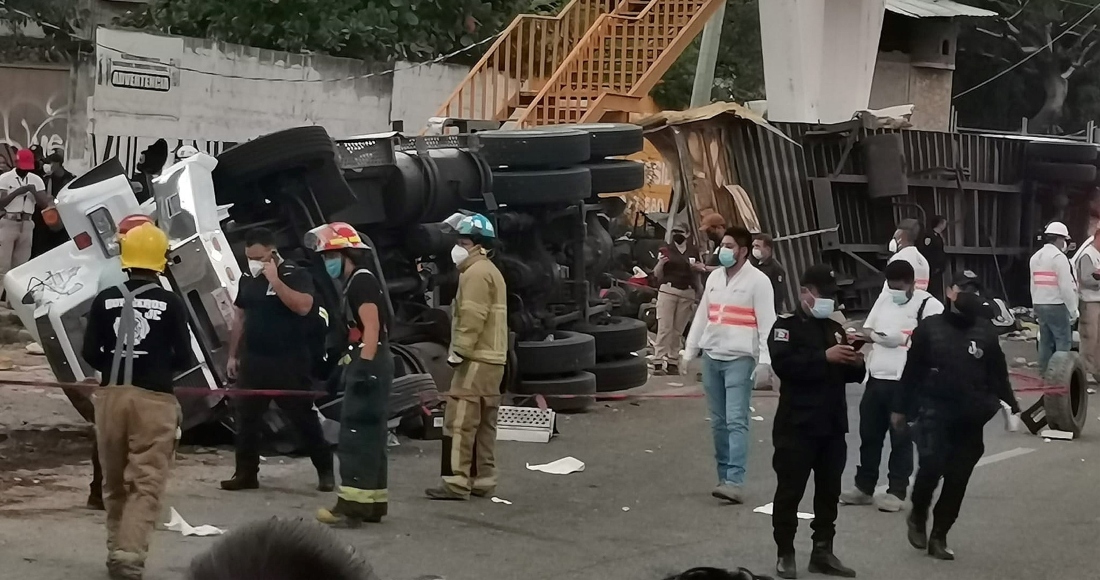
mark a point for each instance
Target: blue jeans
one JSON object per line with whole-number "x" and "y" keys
{"x": 1055, "y": 332}
{"x": 728, "y": 385}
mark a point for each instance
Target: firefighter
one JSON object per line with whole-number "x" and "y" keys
{"x": 363, "y": 495}
{"x": 954, "y": 380}
{"x": 479, "y": 349}
{"x": 1053, "y": 293}
{"x": 137, "y": 338}
{"x": 811, "y": 355}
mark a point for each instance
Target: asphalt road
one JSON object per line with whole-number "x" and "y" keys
{"x": 640, "y": 509}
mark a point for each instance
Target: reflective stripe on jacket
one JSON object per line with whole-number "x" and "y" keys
{"x": 1052, "y": 280}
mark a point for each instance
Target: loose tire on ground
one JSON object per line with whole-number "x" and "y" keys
{"x": 609, "y": 139}
{"x": 1062, "y": 152}
{"x": 580, "y": 387}
{"x": 615, "y": 337}
{"x": 616, "y": 175}
{"x": 542, "y": 187}
{"x": 1066, "y": 411}
{"x": 1061, "y": 172}
{"x": 290, "y": 149}
{"x": 545, "y": 148}
{"x": 620, "y": 375}
{"x": 567, "y": 353}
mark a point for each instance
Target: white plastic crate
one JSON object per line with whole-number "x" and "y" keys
{"x": 527, "y": 424}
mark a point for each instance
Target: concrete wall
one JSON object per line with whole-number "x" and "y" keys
{"x": 34, "y": 107}
{"x": 191, "y": 91}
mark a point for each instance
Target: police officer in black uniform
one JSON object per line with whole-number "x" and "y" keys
{"x": 812, "y": 357}
{"x": 931, "y": 247}
{"x": 952, "y": 385}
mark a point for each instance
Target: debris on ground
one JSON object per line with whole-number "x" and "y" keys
{"x": 767, "y": 508}
{"x": 176, "y": 523}
{"x": 563, "y": 466}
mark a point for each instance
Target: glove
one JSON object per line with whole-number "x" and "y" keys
{"x": 454, "y": 360}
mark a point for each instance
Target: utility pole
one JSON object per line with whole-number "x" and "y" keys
{"x": 708, "y": 58}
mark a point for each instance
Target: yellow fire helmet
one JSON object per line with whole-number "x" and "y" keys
{"x": 144, "y": 247}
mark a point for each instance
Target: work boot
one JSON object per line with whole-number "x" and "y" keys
{"x": 729, "y": 492}
{"x": 241, "y": 482}
{"x": 672, "y": 369}
{"x": 822, "y": 561}
{"x": 444, "y": 493}
{"x": 95, "y": 501}
{"x": 889, "y": 503}
{"x": 346, "y": 514}
{"x": 855, "y": 496}
{"x": 937, "y": 547}
{"x": 918, "y": 533}
{"x": 482, "y": 492}
{"x": 786, "y": 567}
{"x": 326, "y": 481}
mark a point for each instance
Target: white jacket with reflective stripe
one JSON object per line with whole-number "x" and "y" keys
{"x": 734, "y": 316}
{"x": 1052, "y": 280}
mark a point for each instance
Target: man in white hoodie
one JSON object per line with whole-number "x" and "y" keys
{"x": 888, "y": 326}
{"x": 1053, "y": 293}
{"x": 730, "y": 329}
{"x": 903, "y": 247}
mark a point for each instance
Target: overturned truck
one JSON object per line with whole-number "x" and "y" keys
{"x": 541, "y": 188}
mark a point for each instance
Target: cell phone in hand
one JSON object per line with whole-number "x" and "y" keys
{"x": 858, "y": 344}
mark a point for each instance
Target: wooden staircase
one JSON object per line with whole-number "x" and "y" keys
{"x": 595, "y": 61}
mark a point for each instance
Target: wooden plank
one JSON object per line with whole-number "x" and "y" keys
{"x": 937, "y": 183}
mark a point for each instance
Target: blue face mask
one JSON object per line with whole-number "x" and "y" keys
{"x": 334, "y": 267}
{"x": 899, "y": 296}
{"x": 823, "y": 307}
{"x": 726, "y": 257}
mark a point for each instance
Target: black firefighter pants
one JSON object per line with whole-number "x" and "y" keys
{"x": 874, "y": 425}
{"x": 796, "y": 455}
{"x": 948, "y": 451}
{"x": 258, "y": 372}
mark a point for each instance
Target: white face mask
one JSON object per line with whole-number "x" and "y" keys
{"x": 459, "y": 254}
{"x": 893, "y": 246}
{"x": 47, "y": 168}
{"x": 256, "y": 267}
{"x": 758, "y": 253}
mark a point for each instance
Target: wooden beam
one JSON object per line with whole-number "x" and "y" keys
{"x": 938, "y": 183}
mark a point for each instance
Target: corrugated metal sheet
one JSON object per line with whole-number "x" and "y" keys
{"x": 777, "y": 174}
{"x": 934, "y": 9}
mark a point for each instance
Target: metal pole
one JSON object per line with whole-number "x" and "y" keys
{"x": 708, "y": 58}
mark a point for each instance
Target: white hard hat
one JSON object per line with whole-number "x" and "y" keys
{"x": 186, "y": 151}
{"x": 1057, "y": 229}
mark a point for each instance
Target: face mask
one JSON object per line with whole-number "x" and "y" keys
{"x": 459, "y": 254}
{"x": 726, "y": 257}
{"x": 823, "y": 307}
{"x": 758, "y": 253}
{"x": 679, "y": 238}
{"x": 899, "y": 296}
{"x": 255, "y": 267}
{"x": 893, "y": 246}
{"x": 47, "y": 169}
{"x": 334, "y": 267}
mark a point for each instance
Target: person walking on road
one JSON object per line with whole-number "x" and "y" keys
{"x": 20, "y": 189}
{"x": 363, "y": 495}
{"x": 1087, "y": 265}
{"x": 763, "y": 256}
{"x": 479, "y": 350}
{"x": 677, "y": 276}
{"x": 730, "y": 329}
{"x": 269, "y": 350}
{"x": 814, "y": 361}
{"x": 1053, "y": 294}
{"x": 137, "y": 339}
{"x": 889, "y": 326}
{"x": 954, "y": 382}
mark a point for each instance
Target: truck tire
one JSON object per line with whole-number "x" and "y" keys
{"x": 579, "y": 390}
{"x": 1062, "y": 152}
{"x": 615, "y": 337}
{"x": 544, "y": 148}
{"x": 620, "y": 375}
{"x": 542, "y": 187}
{"x": 1067, "y": 411}
{"x": 616, "y": 175}
{"x": 567, "y": 353}
{"x": 289, "y": 149}
{"x": 609, "y": 139}
{"x": 1061, "y": 172}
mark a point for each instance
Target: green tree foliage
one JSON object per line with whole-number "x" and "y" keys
{"x": 57, "y": 19}
{"x": 1056, "y": 89}
{"x": 374, "y": 30}
{"x": 739, "y": 74}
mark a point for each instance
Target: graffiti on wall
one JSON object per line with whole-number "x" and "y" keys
{"x": 34, "y": 109}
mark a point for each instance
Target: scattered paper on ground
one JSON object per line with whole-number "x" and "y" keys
{"x": 563, "y": 466}
{"x": 766, "y": 509}
{"x": 176, "y": 523}
{"x": 500, "y": 500}
{"x": 758, "y": 418}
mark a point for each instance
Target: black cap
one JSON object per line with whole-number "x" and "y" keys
{"x": 968, "y": 281}
{"x": 822, "y": 278}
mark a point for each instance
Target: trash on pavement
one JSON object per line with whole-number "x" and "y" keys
{"x": 501, "y": 500}
{"x": 563, "y": 466}
{"x": 766, "y": 509}
{"x": 757, "y": 418}
{"x": 626, "y": 509}
{"x": 34, "y": 348}
{"x": 1056, "y": 434}
{"x": 176, "y": 523}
